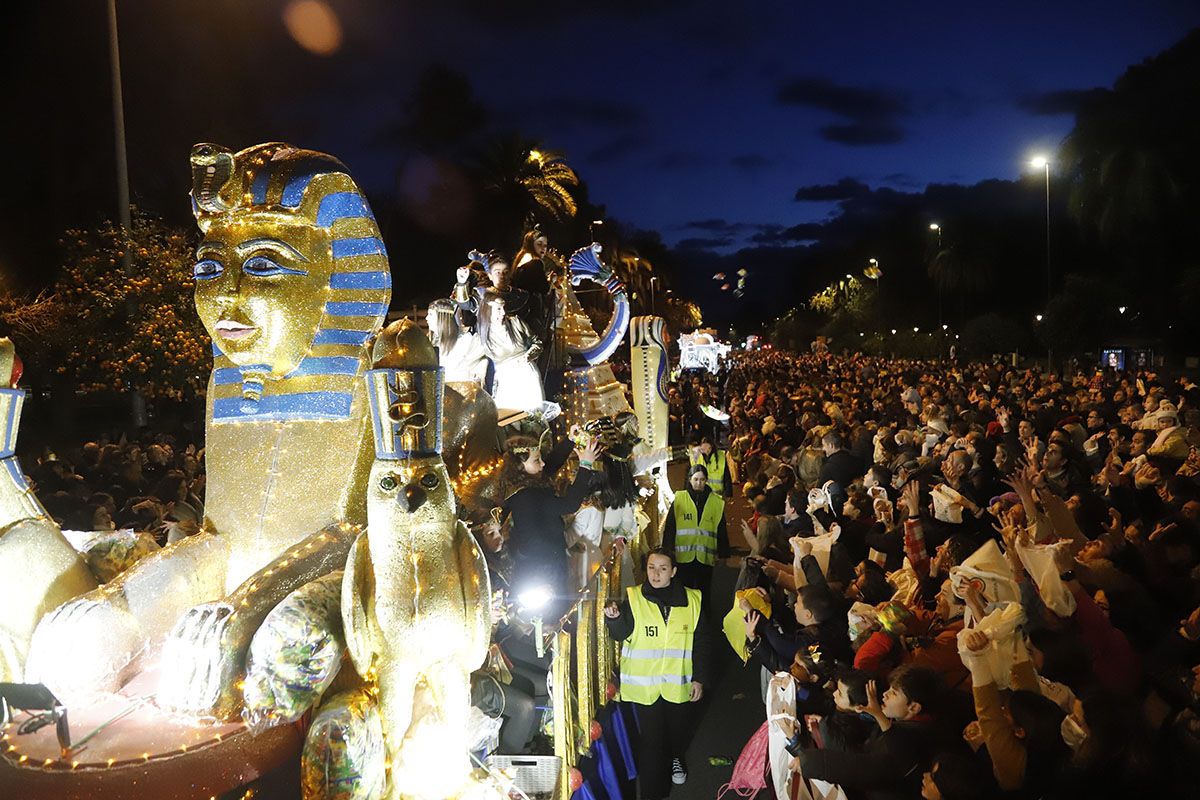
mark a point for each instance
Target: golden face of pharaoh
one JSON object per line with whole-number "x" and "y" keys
{"x": 261, "y": 287}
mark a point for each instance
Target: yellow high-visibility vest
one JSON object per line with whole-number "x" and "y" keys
{"x": 696, "y": 531}
{"x": 656, "y": 659}
{"x": 715, "y": 464}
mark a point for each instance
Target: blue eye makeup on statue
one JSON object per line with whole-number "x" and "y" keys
{"x": 264, "y": 267}
{"x": 207, "y": 268}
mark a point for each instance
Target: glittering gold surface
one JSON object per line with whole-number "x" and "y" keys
{"x": 415, "y": 597}
{"x": 585, "y": 672}
{"x": 591, "y": 393}
{"x": 38, "y": 567}
{"x": 288, "y": 448}
{"x": 471, "y": 446}
{"x": 605, "y": 650}
{"x": 574, "y": 330}
{"x": 211, "y": 687}
{"x": 562, "y": 696}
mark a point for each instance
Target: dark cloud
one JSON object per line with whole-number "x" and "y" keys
{"x": 704, "y": 243}
{"x": 681, "y": 160}
{"x": 844, "y": 189}
{"x": 617, "y": 148}
{"x": 851, "y": 102}
{"x": 863, "y": 133}
{"x": 870, "y": 116}
{"x": 778, "y": 235}
{"x": 590, "y": 112}
{"x": 721, "y": 226}
{"x": 1062, "y": 101}
{"x": 750, "y": 161}
{"x": 904, "y": 180}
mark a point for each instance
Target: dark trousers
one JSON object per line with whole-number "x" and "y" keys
{"x": 664, "y": 733}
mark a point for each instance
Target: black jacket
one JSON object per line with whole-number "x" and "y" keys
{"x": 621, "y": 628}
{"x": 891, "y": 764}
{"x": 842, "y": 468}
{"x": 536, "y": 540}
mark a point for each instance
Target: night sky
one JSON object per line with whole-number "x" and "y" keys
{"x": 719, "y": 123}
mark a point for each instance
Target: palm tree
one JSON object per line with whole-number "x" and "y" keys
{"x": 522, "y": 183}
{"x": 1130, "y": 157}
{"x": 960, "y": 270}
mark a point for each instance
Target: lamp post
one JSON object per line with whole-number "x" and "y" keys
{"x": 937, "y": 228}
{"x": 114, "y": 56}
{"x": 653, "y": 281}
{"x": 1043, "y": 163}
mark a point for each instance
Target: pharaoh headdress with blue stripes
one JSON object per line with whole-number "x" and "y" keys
{"x": 279, "y": 180}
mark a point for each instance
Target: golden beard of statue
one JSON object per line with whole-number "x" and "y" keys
{"x": 415, "y": 593}
{"x": 291, "y": 283}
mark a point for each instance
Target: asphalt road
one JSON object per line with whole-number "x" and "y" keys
{"x": 732, "y": 710}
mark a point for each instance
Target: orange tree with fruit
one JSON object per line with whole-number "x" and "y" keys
{"x": 130, "y": 326}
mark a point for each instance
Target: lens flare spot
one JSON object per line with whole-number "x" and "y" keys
{"x": 314, "y": 26}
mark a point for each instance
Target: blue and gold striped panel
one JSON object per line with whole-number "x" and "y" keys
{"x": 258, "y": 190}
{"x": 285, "y": 407}
{"x": 11, "y": 401}
{"x": 342, "y": 205}
{"x": 361, "y": 280}
{"x": 224, "y": 376}
{"x": 301, "y": 174}
{"x": 388, "y": 435}
{"x": 360, "y": 246}
{"x": 355, "y": 309}
{"x": 326, "y": 365}
{"x": 14, "y": 472}
{"x": 341, "y": 336}
{"x": 310, "y": 366}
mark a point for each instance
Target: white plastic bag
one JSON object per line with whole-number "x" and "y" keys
{"x": 1005, "y": 642}
{"x": 781, "y": 714}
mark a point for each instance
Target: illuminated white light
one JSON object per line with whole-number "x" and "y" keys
{"x": 535, "y": 598}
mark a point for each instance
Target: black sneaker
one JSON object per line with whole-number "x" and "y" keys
{"x": 678, "y": 772}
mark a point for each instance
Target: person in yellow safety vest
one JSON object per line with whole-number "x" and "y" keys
{"x": 716, "y": 461}
{"x": 695, "y": 531}
{"x": 665, "y": 660}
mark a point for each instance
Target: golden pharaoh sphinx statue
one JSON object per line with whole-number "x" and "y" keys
{"x": 292, "y": 282}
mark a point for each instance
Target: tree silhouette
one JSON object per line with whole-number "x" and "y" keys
{"x": 1129, "y": 158}
{"x": 523, "y": 184}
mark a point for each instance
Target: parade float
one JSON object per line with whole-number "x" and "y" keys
{"x": 328, "y": 615}
{"x": 702, "y": 350}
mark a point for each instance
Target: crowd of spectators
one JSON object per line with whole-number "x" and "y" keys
{"x": 984, "y": 580}
{"x": 149, "y": 483}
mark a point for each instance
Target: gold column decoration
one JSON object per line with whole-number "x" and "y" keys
{"x": 564, "y": 724}
{"x": 585, "y": 672}
{"x": 604, "y": 644}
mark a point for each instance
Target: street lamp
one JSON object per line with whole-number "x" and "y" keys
{"x": 1043, "y": 163}
{"x": 936, "y": 227}
{"x": 653, "y": 281}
